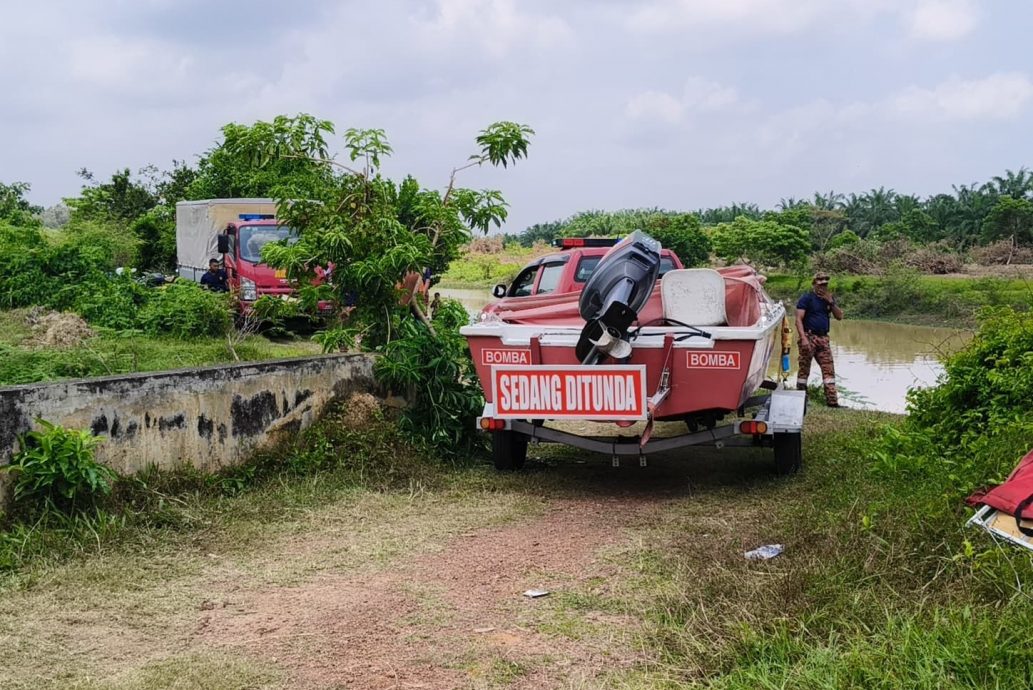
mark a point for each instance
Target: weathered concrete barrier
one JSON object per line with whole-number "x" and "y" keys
{"x": 208, "y": 417}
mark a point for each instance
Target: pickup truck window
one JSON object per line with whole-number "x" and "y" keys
{"x": 586, "y": 267}
{"x": 550, "y": 278}
{"x": 524, "y": 282}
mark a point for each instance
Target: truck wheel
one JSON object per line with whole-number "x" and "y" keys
{"x": 508, "y": 450}
{"x": 788, "y": 453}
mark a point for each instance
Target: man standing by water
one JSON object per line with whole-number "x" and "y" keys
{"x": 813, "y": 321}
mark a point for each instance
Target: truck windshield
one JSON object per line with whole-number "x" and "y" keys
{"x": 251, "y": 239}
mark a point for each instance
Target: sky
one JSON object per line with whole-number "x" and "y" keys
{"x": 678, "y": 104}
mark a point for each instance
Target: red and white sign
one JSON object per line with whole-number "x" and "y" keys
{"x": 713, "y": 360}
{"x": 492, "y": 356}
{"x": 569, "y": 392}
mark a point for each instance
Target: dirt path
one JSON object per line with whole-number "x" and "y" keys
{"x": 431, "y": 619}
{"x": 392, "y": 590}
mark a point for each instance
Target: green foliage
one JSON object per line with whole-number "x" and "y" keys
{"x": 34, "y": 270}
{"x": 843, "y": 239}
{"x": 122, "y": 199}
{"x": 54, "y": 469}
{"x": 1009, "y": 218}
{"x": 764, "y": 242}
{"x": 15, "y": 209}
{"x": 155, "y": 231}
{"x": 24, "y": 263}
{"x": 973, "y": 427}
{"x": 681, "y": 234}
{"x": 110, "y": 302}
{"x": 267, "y": 159}
{"x": 185, "y": 310}
{"x": 438, "y": 376}
{"x": 540, "y": 232}
{"x": 480, "y": 269}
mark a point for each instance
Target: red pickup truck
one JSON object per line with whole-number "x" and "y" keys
{"x": 568, "y": 270}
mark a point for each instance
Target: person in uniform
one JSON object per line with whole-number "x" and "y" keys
{"x": 813, "y": 321}
{"x": 215, "y": 277}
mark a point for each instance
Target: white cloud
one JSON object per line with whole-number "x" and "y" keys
{"x": 772, "y": 15}
{"x": 703, "y": 94}
{"x": 1001, "y": 96}
{"x": 699, "y": 95}
{"x": 942, "y": 20}
{"x": 655, "y": 105}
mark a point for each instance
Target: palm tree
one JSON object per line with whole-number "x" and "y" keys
{"x": 829, "y": 202}
{"x": 1013, "y": 184}
{"x": 788, "y": 203}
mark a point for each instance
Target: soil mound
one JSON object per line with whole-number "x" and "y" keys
{"x": 58, "y": 329}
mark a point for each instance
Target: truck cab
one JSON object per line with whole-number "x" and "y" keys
{"x": 569, "y": 269}
{"x": 241, "y": 247}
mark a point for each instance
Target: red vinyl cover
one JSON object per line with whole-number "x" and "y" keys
{"x": 1006, "y": 497}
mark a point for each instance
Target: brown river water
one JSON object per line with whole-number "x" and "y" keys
{"x": 876, "y": 362}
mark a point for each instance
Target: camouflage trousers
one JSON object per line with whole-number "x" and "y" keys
{"x": 819, "y": 349}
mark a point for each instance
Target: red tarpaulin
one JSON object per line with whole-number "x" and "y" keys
{"x": 1015, "y": 492}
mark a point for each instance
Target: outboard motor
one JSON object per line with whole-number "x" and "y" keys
{"x": 619, "y": 287}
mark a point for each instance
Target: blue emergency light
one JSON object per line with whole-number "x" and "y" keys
{"x": 255, "y": 216}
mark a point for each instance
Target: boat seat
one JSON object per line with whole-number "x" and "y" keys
{"x": 694, "y": 296}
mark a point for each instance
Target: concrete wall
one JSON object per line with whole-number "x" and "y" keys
{"x": 208, "y": 417}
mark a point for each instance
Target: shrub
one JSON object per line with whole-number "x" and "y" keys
{"x": 764, "y": 242}
{"x": 23, "y": 258}
{"x": 973, "y": 427}
{"x": 682, "y": 235}
{"x": 54, "y": 469}
{"x": 438, "y": 376}
{"x": 185, "y": 310}
{"x": 110, "y": 302}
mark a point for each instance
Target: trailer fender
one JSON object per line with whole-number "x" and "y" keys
{"x": 786, "y": 411}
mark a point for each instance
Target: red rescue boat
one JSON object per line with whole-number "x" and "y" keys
{"x": 693, "y": 346}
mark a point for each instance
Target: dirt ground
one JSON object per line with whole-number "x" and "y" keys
{"x": 389, "y": 590}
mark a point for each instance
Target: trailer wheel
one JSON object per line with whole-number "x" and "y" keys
{"x": 508, "y": 450}
{"x": 788, "y": 453}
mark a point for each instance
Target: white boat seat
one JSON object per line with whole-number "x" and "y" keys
{"x": 694, "y": 296}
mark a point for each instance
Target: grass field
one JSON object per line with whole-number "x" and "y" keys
{"x": 349, "y": 559}
{"x": 24, "y": 359}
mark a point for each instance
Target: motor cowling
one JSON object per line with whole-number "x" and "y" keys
{"x": 617, "y": 290}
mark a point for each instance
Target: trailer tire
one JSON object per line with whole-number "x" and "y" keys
{"x": 508, "y": 450}
{"x": 788, "y": 453}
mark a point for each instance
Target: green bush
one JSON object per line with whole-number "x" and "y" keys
{"x": 54, "y": 469}
{"x": 765, "y": 242}
{"x": 24, "y": 255}
{"x": 972, "y": 428}
{"x": 438, "y": 376}
{"x": 185, "y": 310}
{"x": 110, "y": 302}
{"x": 479, "y": 269}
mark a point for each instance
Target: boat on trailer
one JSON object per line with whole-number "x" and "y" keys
{"x": 693, "y": 346}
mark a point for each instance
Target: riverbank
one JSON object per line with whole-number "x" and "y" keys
{"x": 905, "y": 297}
{"x": 63, "y": 347}
{"x": 908, "y": 298}
{"x": 349, "y": 558}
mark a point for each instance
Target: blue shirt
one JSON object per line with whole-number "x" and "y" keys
{"x": 816, "y": 319}
{"x": 215, "y": 281}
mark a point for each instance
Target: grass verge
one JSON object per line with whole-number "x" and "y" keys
{"x": 122, "y": 352}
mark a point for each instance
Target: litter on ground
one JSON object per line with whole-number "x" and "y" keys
{"x": 764, "y": 553}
